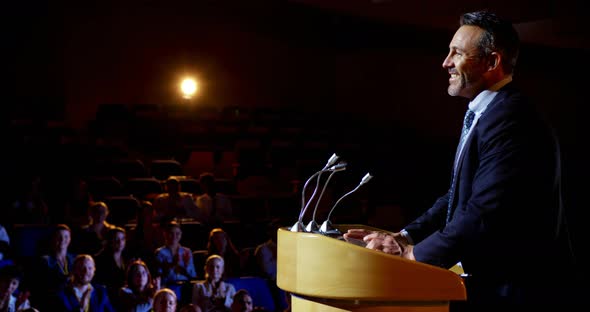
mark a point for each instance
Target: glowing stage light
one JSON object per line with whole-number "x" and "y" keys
{"x": 188, "y": 87}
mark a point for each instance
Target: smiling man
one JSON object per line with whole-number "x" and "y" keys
{"x": 502, "y": 217}
{"x": 80, "y": 294}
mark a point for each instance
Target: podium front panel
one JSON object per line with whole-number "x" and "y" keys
{"x": 324, "y": 267}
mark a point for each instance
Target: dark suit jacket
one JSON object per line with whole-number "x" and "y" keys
{"x": 99, "y": 301}
{"x": 505, "y": 211}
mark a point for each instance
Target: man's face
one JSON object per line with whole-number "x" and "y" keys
{"x": 173, "y": 187}
{"x": 244, "y": 304}
{"x": 99, "y": 214}
{"x": 165, "y": 302}
{"x": 8, "y": 286}
{"x": 465, "y": 64}
{"x": 83, "y": 271}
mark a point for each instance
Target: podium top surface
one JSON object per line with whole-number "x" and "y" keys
{"x": 328, "y": 267}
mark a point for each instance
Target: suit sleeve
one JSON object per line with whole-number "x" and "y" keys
{"x": 430, "y": 221}
{"x": 496, "y": 182}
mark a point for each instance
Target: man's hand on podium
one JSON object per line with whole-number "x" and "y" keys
{"x": 393, "y": 244}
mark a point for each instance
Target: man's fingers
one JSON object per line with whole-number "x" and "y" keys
{"x": 394, "y": 250}
{"x": 375, "y": 235}
{"x": 356, "y": 233}
{"x": 374, "y": 244}
{"x": 383, "y": 242}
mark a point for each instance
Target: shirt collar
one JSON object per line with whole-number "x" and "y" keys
{"x": 479, "y": 104}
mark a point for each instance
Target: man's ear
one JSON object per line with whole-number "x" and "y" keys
{"x": 494, "y": 61}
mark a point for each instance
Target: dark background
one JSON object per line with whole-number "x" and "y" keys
{"x": 373, "y": 65}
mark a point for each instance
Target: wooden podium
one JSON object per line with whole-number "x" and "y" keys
{"x": 326, "y": 274}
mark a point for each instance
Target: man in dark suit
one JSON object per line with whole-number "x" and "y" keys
{"x": 80, "y": 294}
{"x": 502, "y": 218}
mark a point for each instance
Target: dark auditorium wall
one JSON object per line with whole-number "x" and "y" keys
{"x": 256, "y": 55}
{"x": 74, "y": 56}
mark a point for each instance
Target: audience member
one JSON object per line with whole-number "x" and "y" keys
{"x": 165, "y": 300}
{"x": 174, "y": 203}
{"x": 220, "y": 244}
{"x": 214, "y": 207}
{"x": 4, "y": 243}
{"x": 80, "y": 294}
{"x": 10, "y": 277}
{"x": 213, "y": 294}
{"x": 55, "y": 266}
{"x": 190, "y": 308}
{"x": 266, "y": 253}
{"x": 91, "y": 238}
{"x": 77, "y": 202}
{"x": 146, "y": 236}
{"x": 4, "y": 235}
{"x": 174, "y": 263}
{"x": 30, "y": 206}
{"x": 266, "y": 259}
{"x": 138, "y": 293}
{"x": 111, "y": 262}
{"x": 242, "y": 302}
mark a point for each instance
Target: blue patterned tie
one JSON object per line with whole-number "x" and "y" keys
{"x": 467, "y": 122}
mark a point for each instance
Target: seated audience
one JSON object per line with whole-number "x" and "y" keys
{"x": 10, "y": 277}
{"x": 242, "y": 302}
{"x": 77, "y": 201}
{"x": 174, "y": 263}
{"x": 91, "y": 237}
{"x": 220, "y": 243}
{"x": 165, "y": 300}
{"x": 266, "y": 253}
{"x": 174, "y": 203}
{"x": 212, "y": 293}
{"x": 214, "y": 207}
{"x": 30, "y": 205}
{"x": 111, "y": 262}
{"x": 138, "y": 293}
{"x": 80, "y": 294}
{"x": 4, "y": 243}
{"x": 146, "y": 236}
{"x": 54, "y": 268}
{"x": 190, "y": 308}
{"x": 266, "y": 259}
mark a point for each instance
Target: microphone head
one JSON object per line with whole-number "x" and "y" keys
{"x": 328, "y": 229}
{"x": 332, "y": 160}
{"x": 312, "y": 227}
{"x": 338, "y": 167}
{"x": 298, "y": 227}
{"x": 366, "y": 178}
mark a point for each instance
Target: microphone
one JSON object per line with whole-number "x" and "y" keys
{"x": 338, "y": 167}
{"x": 327, "y": 227}
{"x": 298, "y": 226}
{"x": 312, "y": 226}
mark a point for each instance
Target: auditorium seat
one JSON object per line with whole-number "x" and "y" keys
{"x": 144, "y": 188}
{"x": 122, "y": 209}
{"x": 103, "y": 186}
{"x": 199, "y": 258}
{"x": 161, "y": 169}
{"x": 189, "y": 185}
{"x": 124, "y": 168}
{"x": 258, "y": 289}
{"x": 30, "y": 240}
